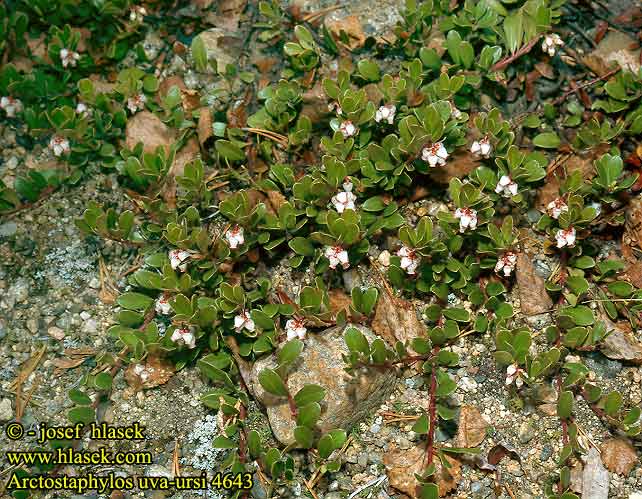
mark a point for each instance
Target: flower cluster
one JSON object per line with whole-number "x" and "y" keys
{"x": 69, "y": 58}
{"x": 514, "y": 375}
{"x": 506, "y": 263}
{"x": 137, "y": 14}
{"x": 244, "y": 321}
{"x": 295, "y": 328}
{"x": 506, "y": 187}
{"x": 235, "y": 236}
{"x": 162, "y": 305}
{"x": 409, "y": 260}
{"x": 348, "y": 129}
{"x": 435, "y": 154}
{"x": 482, "y": 148}
{"x": 184, "y": 336}
{"x": 337, "y": 256}
{"x": 136, "y": 103}
{"x": 345, "y": 199}
{"x": 177, "y": 259}
{"x": 386, "y": 113}
{"x": 551, "y": 42}
{"x": 467, "y": 218}
{"x": 557, "y": 207}
{"x": 565, "y": 237}
{"x": 10, "y": 106}
{"x": 59, "y": 145}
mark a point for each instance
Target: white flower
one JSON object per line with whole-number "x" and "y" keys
{"x": 409, "y": 260}
{"x": 513, "y": 374}
{"x": 69, "y": 57}
{"x": 177, "y": 259}
{"x": 435, "y": 154}
{"x": 184, "y": 336}
{"x": 386, "y": 113}
{"x": 162, "y": 305}
{"x": 550, "y": 43}
{"x": 348, "y": 129}
{"x": 334, "y": 107}
{"x": 59, "y": 145}
{"x": 467, "y": 218}
{"x": 482, "y": 148}
{"x": 565, "y": 237}
{"x": 557, "y": 207}
{"x": 82, "y": 109}
{"x": 347, "y": 185}
{"x": 235, "y": 236}
{"x": 506, "y": 263}
{"x": 137, "y": 14}
{"x": 344, "y": 201}
{"x": 244, "y": 321}
{"x": 506, "y": 186}
{"x": 136, "y": 103}
{"x": 295, "y": 328}
{"x": 141, "y": 372}
{"x": 454, "y": 112}
{"x": 10, "y": 106}
{"x": 337, "y": 255}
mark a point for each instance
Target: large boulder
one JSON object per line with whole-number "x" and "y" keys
{"x": 348, "y": 398}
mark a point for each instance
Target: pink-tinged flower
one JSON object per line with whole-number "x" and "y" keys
{"x": 347, "y": 185}
{"x": 244, "y": 321}
{"x": 137, "y": 14}
{"x": 162, "y": 305}
{"x": 344, "y": 201}
{"x": 184, "y": 336}
{"x": 136, "y": 103}
{"x": 435, "y": 154}
{"x": 69, "y": 58}
{"x": 565, "y": 237}
{"x": 348, "y": 129}
{"x": 506, "y": 262}
{"x": 235, "y": 236}
{"x": 409, "y": 260}
{"x": 482, "y": 148}
{"x": 177, "y": 259}
{"x": 59, "y": 145}
{"x": 467, "y": 218}
{"x": 334, "y": 107}
{"x": 10, "y": 106}
{"x": 506, "y": 186}
{"x": 513, "y": 375}
{"x": 295, "y": 328}
{"x": 551, "y": 42}
{"x": 557, "y": 207}
{"x": 337, "y": 255}
{"x": 386, "y": 113}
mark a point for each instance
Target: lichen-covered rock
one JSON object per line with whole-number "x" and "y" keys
{"x": 348, "y": 398}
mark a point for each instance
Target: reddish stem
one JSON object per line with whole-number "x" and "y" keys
{"x": 524, "y": 50}
{"x": 293, "y": 410}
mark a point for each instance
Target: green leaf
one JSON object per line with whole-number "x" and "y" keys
{"x": 548, "y": 140}
{"x": 565, "y": 405}
{"x": 134, "y": 301}
{"x": 309, "y": 414}
{"x": 421, "y": 425}
{"x": 580, "y": 315}
{"x": 222, "y": 442}
{"x": 272, "y": 383}
{"x": 458, "y": 314}
{"x": 309, "y": 394}
{"x": 356, "y": 341}
{"x": 103, "y": 381}
{"x": 369, "y": 70}
{"x": 290, "y": 351}
{"x": 199, "y": 53}
{"x": 304, "y": 436}
{"x": 229, "y": 151}
{"x": 612, "y": 403}
{"x": 81, "y": 414}
{"x": 79, "y": 397}
{"x": 302, "y": 246}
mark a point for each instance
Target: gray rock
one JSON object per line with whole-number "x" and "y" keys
{"x": 221, "y": 46}
{"x": 8, "y": 229}
{"x": 90, "y": 326}
{"x": 6, "y": 412}
{"x": 348, "y": 398}
{"x": 526, "y": 432}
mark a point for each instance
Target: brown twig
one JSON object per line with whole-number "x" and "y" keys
{"x": 584, "y": 85}
{"x": 507, "y": 60}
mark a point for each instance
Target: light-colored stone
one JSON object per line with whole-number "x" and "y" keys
{"x": 6, "y": 412}
{"x": 348, "y": 399}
